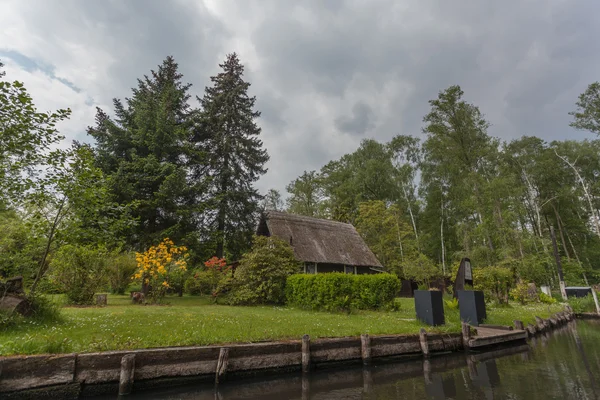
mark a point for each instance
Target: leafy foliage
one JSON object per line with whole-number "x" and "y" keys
{"x": 272, "y": 201}
{"x": 120, "y": 270}
{"x": 387, "y": 234}
{"x": 70, "y": 205}
{"x": 341, "y": 292}
{"x": 421, "y": 269}
{"x": 587, "y": 116}
{"x": 161, "y": 267}
{"x": 495, "y": 282}
{"x": 200, "y": 283}
{"x": 217, "y": 270}
{"x": 464, "y": 193}
{"x": 262, "y": 273}
{"x": 20, "y": 248}
{"x": 26, "y": 135}
{"x": 306, "y": 195}
{"x": 79, "y": 271}
{"x": 582, "y": 304}
{"x": 451, "y": 304}
{"x": 544, "y": 298}
{"x": 521, "y": 293}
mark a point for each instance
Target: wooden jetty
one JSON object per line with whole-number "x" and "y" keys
{"x": 488, "y": 335}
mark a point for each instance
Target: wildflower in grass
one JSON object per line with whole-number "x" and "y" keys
{"x": 159, "y": 266}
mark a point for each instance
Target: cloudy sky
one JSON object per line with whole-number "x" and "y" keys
{"x": 327, "y": 74}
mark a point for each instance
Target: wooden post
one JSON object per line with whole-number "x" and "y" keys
{"x": 427, "y": 371}
{"x": 519, "y": 325}
{"x": 466, "y": 335}
{"x": 596, "y": 301}
{"x": 561, "y": 279}
{"x": 540, "y": 323}
{"x": 305, "y": 353}
{"x": 127, "y": 371}
{"x": 423, "y": 341}
{"x": 305, "y": 387}
{"x": 101, "y": 299}
{"x": 222, "y": 364}
{"x": 472, "y": 365}
{"x": 365, "y": 344}
{"x": 367, "y": 380}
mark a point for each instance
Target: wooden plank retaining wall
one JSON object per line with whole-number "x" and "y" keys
{"x": 22, "y": 374}
{"x": 30, "y": 372}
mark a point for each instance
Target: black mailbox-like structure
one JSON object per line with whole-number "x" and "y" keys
{"x": 430, "y": 307}
{"x": 472, "y": 306}
{"x": 573, "y": 291}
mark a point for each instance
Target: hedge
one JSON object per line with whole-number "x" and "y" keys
{"x": 338, "y": 291}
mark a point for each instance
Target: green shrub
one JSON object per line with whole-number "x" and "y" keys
{"x": 582, "y": 304}
{"x": 422, "y": 270}
{"x": 544, "y": 298}
{"x": 494, "y": 281}
{"x": 262, "y": 273}
{"x": 451, "y": 304}
{"x": 340, "y": 292}
{"x": 395, "y": 305}
{"x": 199, "y": 283}
{"x": 120, "y": 270}
{"x": 79, "y": 271}
{"x": 44, "y": 309}
{"x": 521, "y": 293}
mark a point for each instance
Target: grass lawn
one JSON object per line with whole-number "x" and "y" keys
{"x": 195, "y": 321}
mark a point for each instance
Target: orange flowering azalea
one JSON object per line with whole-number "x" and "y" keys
{"x": 158, "y": 265}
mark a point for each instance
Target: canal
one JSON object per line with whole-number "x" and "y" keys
{"x": 562, "y": 365}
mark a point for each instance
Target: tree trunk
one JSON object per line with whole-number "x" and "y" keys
{"x": 560, "y": 231}
{"x": 577, "y": 258}
{"x": 561, "y": 279}
{"x": 42, "y": 268}
{"x": 585, "y": 191}
{"x": 442, "y": 233}
{"x": 399, "y": 238}
{"x": 412, "y": 218}
{"x": 222, "y": 211}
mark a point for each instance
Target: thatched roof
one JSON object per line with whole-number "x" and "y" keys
{"x": 319, "y": 240}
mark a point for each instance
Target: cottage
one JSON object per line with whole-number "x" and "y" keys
{"x": 322, "y": 245}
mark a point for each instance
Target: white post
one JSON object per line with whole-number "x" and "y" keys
{"x": 596, "y": 301}
{"x": 563, "y": 290}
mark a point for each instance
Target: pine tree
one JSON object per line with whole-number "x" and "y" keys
{"x": 228, "y": 134}
{"x": 145, "y": 151}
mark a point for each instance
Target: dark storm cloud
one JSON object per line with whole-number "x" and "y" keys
{"x": 329, "y": 73}
{"x": 135, "y": 35}
{"x": 359, "y": 122}
{"x": 486, "y": 47}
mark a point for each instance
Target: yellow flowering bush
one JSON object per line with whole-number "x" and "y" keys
{"x": 159, "y": 266}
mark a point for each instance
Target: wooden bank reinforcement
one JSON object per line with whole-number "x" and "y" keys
{"x": 123, "y": 372}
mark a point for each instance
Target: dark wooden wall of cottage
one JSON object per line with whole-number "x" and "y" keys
{"x": 329, "y": 267}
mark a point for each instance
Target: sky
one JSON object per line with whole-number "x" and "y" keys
{"x": 326, "y": 73}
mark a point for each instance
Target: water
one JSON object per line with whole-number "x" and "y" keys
{"x": 562, "y": 365}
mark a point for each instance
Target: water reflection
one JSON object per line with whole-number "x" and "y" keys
{"x": 563, "y": 365}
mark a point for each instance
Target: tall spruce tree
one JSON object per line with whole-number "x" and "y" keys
{"x": 145, "y": 152}
{"x": 229, "y": 135}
